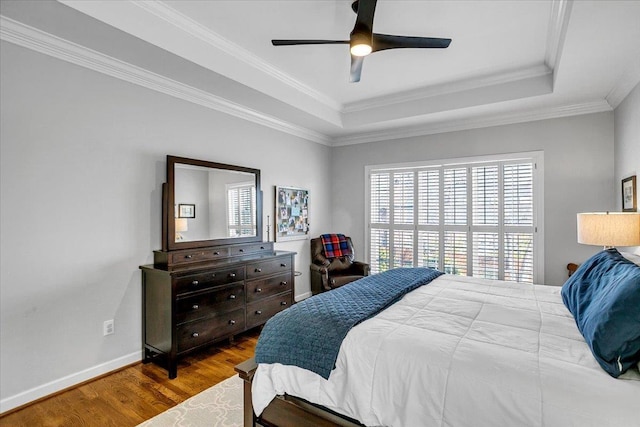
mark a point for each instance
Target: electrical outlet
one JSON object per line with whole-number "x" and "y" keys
{"x": 107, "y": 327}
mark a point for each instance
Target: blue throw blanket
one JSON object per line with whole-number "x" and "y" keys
{"x": 309, "y": 334}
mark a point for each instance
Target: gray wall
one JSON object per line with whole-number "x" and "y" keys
{"x": 82, "y": 162}
{"x": 578, "y": 174}
{"x": 627, "y": 144}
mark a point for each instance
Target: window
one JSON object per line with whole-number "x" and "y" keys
{"x": 473, "y": 217}
{"x": 241, "y": 202}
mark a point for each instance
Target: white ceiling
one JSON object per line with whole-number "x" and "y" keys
{"x": 509, "y": 61}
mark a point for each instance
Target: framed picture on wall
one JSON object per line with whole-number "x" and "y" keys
{"x": 629, "y": 199}
{"x": 291, "y": 213}
{"x": 186, "y": 211}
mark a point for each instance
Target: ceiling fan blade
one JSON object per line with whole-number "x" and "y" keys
{"x": 364, "y": 21}
{"x": 356, "y": 68}
{"x": 386, "y": 41}
{"x": 298, "y": 42}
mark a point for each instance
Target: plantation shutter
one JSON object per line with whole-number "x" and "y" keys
{"x": 428, "y": 237}
{"x": 241, "y": 200}
{"x": 485, "y": 221}
{"x": 429, "y": 197}
{"x": 518, "y": 222}
{"x": 380, "y": 196}
{"x": 403, "y": 184}
{"x": 472, "y": 219}
{"x": 455, "y": 220}
{"x": 455, "y": 196}
{"x": 233, "y": 216}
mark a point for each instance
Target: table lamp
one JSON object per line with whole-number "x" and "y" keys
{"x": 609, "y": 229}
{"x": 181, "y": 225}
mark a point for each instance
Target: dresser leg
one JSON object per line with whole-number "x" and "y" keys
{"x": 172, "y": 367}
{"x": 147, "y": 356}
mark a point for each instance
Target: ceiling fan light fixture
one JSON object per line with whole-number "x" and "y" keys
{"x": 360, "y": 43}
{"x": 360, "y": 49}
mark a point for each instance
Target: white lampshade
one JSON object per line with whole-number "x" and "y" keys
{"x": 609, "y": 228}
{"x": 181, "y": 225}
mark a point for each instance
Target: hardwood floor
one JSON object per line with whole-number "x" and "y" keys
{"x": 136, "y": 393}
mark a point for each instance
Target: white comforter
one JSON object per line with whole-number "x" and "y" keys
{"x": 463, "y": 352}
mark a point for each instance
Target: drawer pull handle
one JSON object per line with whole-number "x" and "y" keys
{"x": 283, "y": 283}
{"x": 216, "y": 253}
{"x": 283, "y": 303}
{"x": 283, "y": 265}
{"x": 213, "y": 274}
{"x": 232, "y": 296}
{"x": 232, "y": 275}
{"x": 188, "y": 256}
{"x": 195, "y": 335}
{"x": 195, "y": 306}
{"x": 258, "y": 289}
{"x": 241, "y": 250}
{"x": 195, "y": 283}
{"x": 258, "y": 312}
{"x": 261, "y": 247}
{"x": 258, "y": 270}
{"x": 232, "y": 322}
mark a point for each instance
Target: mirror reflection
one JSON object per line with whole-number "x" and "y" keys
{"x": 213, "y": 203}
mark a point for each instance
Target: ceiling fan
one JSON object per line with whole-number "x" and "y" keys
{"x": 364, "y": 41}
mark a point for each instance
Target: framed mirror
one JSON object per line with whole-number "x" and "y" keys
{"x": 209, "y": 204}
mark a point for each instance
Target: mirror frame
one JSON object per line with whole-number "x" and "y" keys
{"x": 168, "y": 214}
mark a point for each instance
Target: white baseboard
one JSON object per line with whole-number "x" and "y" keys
{"x": 54, "y": 386}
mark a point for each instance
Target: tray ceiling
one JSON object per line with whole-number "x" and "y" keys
{"x": 509, "y": 61}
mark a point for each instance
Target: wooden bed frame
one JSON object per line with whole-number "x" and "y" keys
{"x": 286, "y": 411}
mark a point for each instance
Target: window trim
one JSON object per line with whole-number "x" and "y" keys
{"x": 537, "y": 157}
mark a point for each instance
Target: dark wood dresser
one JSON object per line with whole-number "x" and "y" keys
{"x": 195, "y": 297}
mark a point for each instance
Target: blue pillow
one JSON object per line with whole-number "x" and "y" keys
{"x": 604, "y": 297}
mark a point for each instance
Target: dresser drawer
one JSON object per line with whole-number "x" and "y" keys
{"x": 250, "y": 249}
{"x": 263, "y": 288}
{"x": 260, "y": 311}
{"x": 196, "y": 255}
{"x": 219, "y": 299}
{"x": 209, "y": 279}
{"x": 197, "y": 333}
{"x": 266, "y": 268}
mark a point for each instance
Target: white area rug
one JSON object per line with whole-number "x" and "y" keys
{"x": 220, "y": 405}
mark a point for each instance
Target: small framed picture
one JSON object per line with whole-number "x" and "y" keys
{"x": 629, "y": 199}
{"x": 186, "y": 211}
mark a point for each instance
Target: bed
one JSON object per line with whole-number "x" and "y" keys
{"x": 462, "y": 351}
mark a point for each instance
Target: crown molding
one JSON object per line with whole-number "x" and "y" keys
{"x": 625, "y": 83}
{"x": 31, "y": 38}
{"x": 589, "y": 107}
{"x": 449, "y": 88}
{"x": 195, "y": 29}
{"x": 558, "y": 23}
